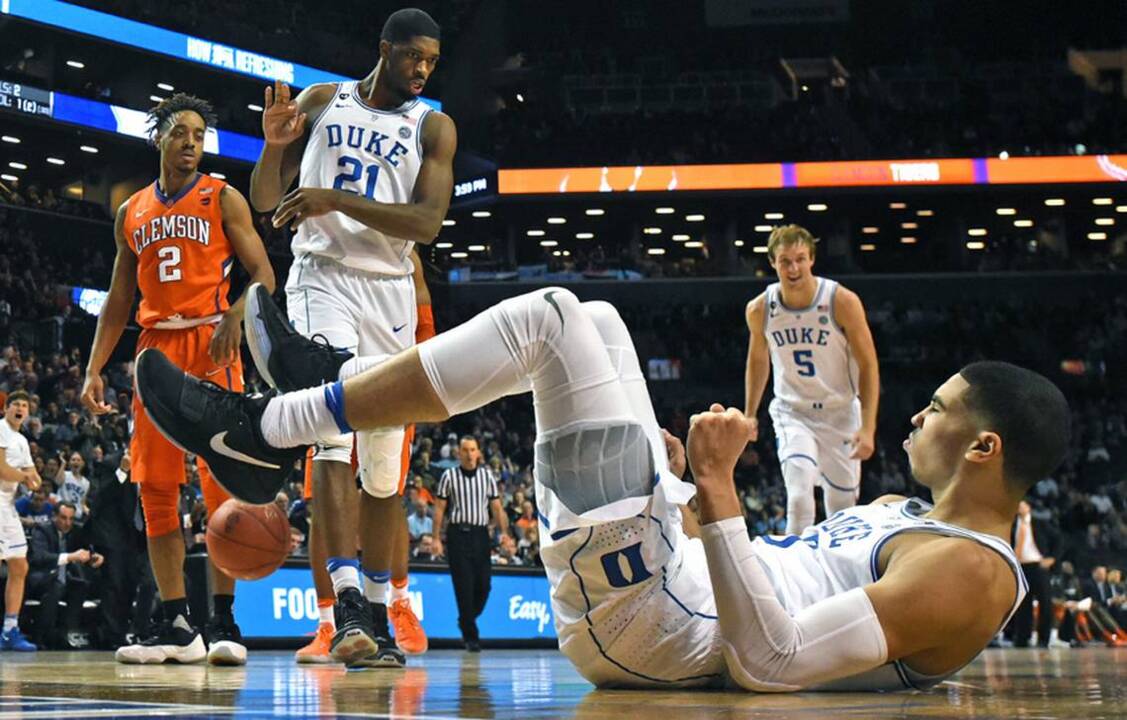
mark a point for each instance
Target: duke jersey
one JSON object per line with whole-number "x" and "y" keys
{"x": 810, "y": 358}
{"x": 18, "y": 455}
{"x": 841, "y": 553}
{"x": 374, "y": 153}
{"x": 184, "y": 258}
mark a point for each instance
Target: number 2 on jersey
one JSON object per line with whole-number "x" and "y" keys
{"x": 169, "y": 270}
{"x": 353, "y": 175}
{"x": 803, "y": 359}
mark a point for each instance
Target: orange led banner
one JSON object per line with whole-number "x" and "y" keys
{"x": 865, "y": 173}
{"x": 640, "y": 179}
{"x": 1083, "y": 169}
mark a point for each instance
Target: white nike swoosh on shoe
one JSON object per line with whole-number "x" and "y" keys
{"x": 219, "y": 444}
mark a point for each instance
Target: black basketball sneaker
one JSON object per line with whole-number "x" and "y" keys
{"x": 386, "y": 654}
{"x": 284, "y": 357}
{"x": 222, "y": 427}
{"x": 354, "y": 639}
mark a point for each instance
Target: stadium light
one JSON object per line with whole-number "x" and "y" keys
{"x": 760, "y": 249}
{"x": 89, "y": 149}
{"x": 764, "y": 228}
{"x": 534, "y": 233}
{"x": 1121, "y": 208}
{"x": 680, "y": 237}
{"x": 1054, "y": 202}
{"x": 17, "y": 165}
{"x": 694, "y": 244}
{"x": 449, "y": 222}
{"x": 444, "y": 245}
{"x": 976, "y": 245}
{"x": 909, "y": 225}
{"x": 584, "y": 236}
{"x": 1006, "y": 211}
{"x": 1105, "y": 221}
{"x": 651, "y": 231}
{"x": 481, "y": 213}
{"x": 1023, "y": 223}
{"x": 739, "y": 243}
{"x": 976, "y": 232}
{"x": 1097, "y": 236}
{"x": 1102, "y": 201}
{"x": 9, "y": 178}
{"x": 165, "y": 86}
{"x": 694, "y": 218}
{"x": 10, "y": 139}
{"x": 458, "y": 255}
{"x": 217, "y": 175}
{"x": 868, "y": 247}
{"x": 76, "y": 64}
{"x": 870, "y": 230}
{"x": 60, "y": 161}
{"x": 897, "y": 206}
{"x": 817, "y": 207}
{"x": 593, "y": 212}
{"x": 476, "y": 248}
{"x": 254, "y": 108}
{"x": 655, "y": 251}
{"x": 909, "y": 240}
{"x": 773, "y": 216}
{"x": 664, "y": 210}
{"x": 925, "y": 213}
{"x": 548, "y": 243}
{"x": 156, "y": 98}
{"x": 556, "y": 220}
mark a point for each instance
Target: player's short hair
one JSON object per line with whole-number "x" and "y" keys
{"x": 66, "y": 504}
{"x": 162, "y": 113}
{"x": 17, "y": 395}
{"x": 1027, "y": 411}
{"x": 469, "y": 438}
{"x": 402, "y": 25}
{"x": 788, "y": 235}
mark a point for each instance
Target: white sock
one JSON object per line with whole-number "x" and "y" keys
{"x": 399, "y": 593}
{"x": 305, "y": 416}
{"x": 375, "y": 585}
{"x": 11, "y": 622}
{"x": 345, "y": 573}
{"x": 326, "y": 615}
{"x": 355, "y": 366}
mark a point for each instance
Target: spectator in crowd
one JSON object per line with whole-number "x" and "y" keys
{"x": 425, "y": 550}
{"x": 35, "y": 509}
{"x": 419, "y": 523}
{"x": 1036, "y": 545}
{"x": 56, "y": 557}
{"x": 75, "y": 486}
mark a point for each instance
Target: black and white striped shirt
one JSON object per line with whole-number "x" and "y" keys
{"x": 468, "y": 494}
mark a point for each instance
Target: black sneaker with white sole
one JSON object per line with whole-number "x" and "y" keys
{"x": 222, "y": 427}
{"x": 225, "y": 641}
{"x": 172, "y": 641}
{"x": 354, "y": 639}
{"x": 284, "y": 357}
{"x": 386, "y": 655}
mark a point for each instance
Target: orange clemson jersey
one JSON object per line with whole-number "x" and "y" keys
{"x": 183, "y": 256}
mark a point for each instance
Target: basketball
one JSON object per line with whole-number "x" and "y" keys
{"x": 248, "y": 542}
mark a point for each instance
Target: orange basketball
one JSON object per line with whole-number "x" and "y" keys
{"x": 248, "y": 542}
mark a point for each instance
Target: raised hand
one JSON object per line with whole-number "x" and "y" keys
{"x": 281, "y": 121}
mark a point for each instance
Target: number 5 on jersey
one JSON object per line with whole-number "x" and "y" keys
{"x": 169, "y": 268}
{"x": 803, "y": 360}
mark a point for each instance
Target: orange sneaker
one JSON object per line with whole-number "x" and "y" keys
{"x": 409, "y": 634}
{"x": 317, "y": 651}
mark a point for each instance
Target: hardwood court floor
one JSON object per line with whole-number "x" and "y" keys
{"x": 1089, "y": 683}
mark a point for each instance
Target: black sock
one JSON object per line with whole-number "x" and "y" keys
{"x": 223, "y": 604}
{"x": 172, "y": 608}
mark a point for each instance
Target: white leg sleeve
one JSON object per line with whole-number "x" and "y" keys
{"x": 800, "y": 475}
{"x": 767, "y": 650}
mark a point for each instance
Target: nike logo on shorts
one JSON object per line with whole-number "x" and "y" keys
{"x": 397, "y": 329}
{"x": 219, "y": 444}
{"x": 555, "y": 306}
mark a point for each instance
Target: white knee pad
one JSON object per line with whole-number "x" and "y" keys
{"x": 381, "y": 461}
{"x": 800, "y": 475}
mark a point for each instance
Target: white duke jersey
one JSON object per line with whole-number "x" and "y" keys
{"x": 17, "y": 454}
{"x": 369, "y": 152}
{"x": 810, "y": 358}
{"x": 841, "y": 553}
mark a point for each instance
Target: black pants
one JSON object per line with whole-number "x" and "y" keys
{"x": 467, "y": 549}
{"x": 46, "y": 588}
{"x": 1038, "y": 579}
{"x": 126, "y": 576}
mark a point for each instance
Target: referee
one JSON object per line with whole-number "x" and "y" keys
{"x": 471, "y": 492}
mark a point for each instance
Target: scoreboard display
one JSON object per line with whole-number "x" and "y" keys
{"x": 24, "y": 98}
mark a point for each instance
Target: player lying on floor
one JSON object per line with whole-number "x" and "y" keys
{"x": 886, "y": 596}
